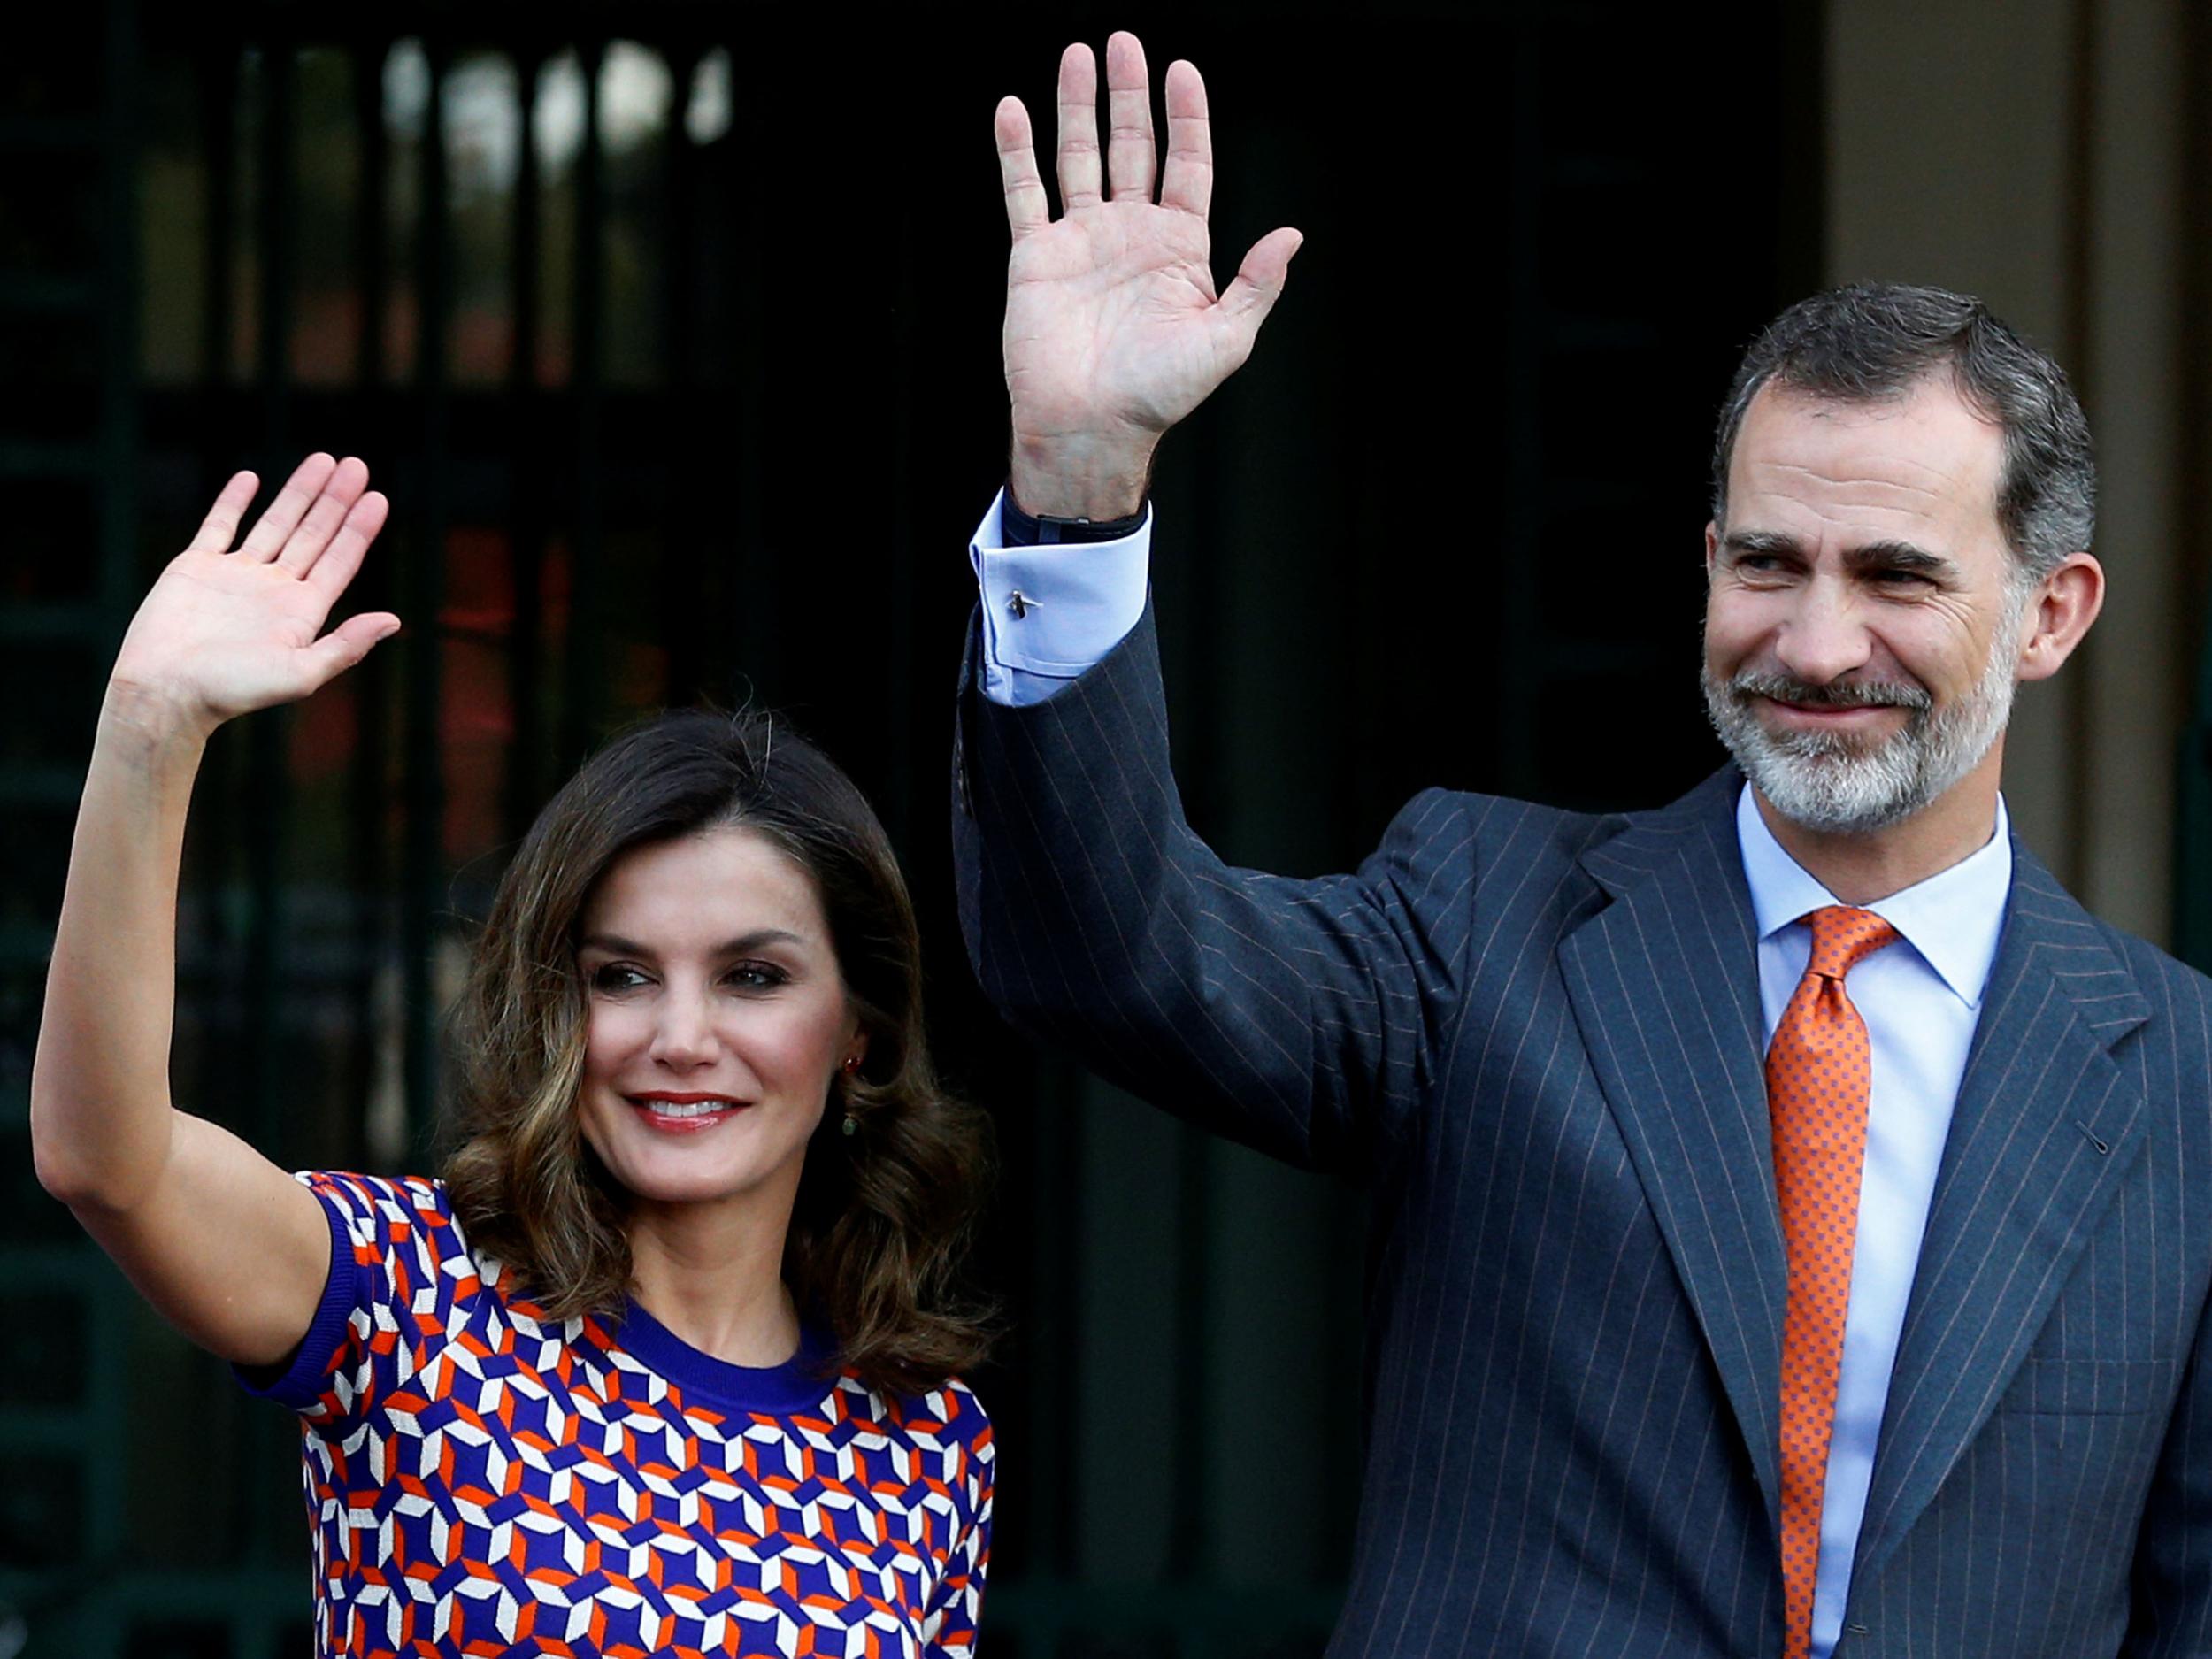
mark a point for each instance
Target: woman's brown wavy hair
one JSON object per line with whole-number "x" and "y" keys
{"x": 883, "y": 1214}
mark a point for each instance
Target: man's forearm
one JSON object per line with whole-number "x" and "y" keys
{"x": 1094, "y": 476}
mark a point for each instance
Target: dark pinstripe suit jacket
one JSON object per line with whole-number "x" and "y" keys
{"x": 1536, "y": 1034}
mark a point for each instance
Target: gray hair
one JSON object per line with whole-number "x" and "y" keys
{"x": 1873, "y": 342}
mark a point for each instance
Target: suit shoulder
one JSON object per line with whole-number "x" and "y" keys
{"x": 2156, "y": 971}
{"x": 1452, "y": 851}
{"x": 1492, "y": 829}
{"x": 2111, "y": 968}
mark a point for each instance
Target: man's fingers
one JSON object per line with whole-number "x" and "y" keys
{"x": 1245, "y": 304}
{"x": 1026, "y": 208}
{"x": 290, "y": 506}
{"x": 1078, "y": 128}
{"x": 1186, "y": 181}
{"x": 1129, "y": 119}
{"x": 220, "y": 529}
{"x": 340, "y": 491}
{"x": 334, "y": 568}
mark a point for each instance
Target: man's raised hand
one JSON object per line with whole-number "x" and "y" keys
{"x": 1114, "y": 332}
{"x": 225, "y": 633}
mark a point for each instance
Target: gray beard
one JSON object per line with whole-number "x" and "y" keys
{"x": 1837, "y": 785}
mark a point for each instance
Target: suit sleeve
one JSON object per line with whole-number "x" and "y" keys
{"x": 1300, "y": 1017}
{"x": 2171, "y": 1613}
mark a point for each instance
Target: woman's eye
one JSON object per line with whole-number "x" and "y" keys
{"x": 616, "y": 977}
{"x": 757, "y": 976}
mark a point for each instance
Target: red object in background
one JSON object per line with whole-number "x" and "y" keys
{"x": 473, "y": 635}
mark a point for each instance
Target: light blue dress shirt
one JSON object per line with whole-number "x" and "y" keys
{"x": 1049, "y": 612}
{"x": 1920, "y": 1000}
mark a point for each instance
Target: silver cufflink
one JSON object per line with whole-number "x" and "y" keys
{"x": 1020, "y": 604}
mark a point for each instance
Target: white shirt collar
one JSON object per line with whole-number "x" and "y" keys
{"x": 1953, "y": 918}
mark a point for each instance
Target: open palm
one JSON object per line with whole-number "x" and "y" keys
{"x": 1114, "y": 331}
{"x": 225, "y": 633}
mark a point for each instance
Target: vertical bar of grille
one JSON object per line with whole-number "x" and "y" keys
{"x": 266, "y": 793}
{"x": 1191, "y": 1555}
{"x": 1519, "y": 603}
{"x": 266, "y": 789}
{"x": 2193, "y": 851}
{"x": 218, "y": 78}
{"x": 368, "y": 867}
{"x": 526, "y": 468}
{"x": 372, "y": 250}
{"x": 1056, "y": 1396}
{"x": 579, "y": 699}
{"x": 119, "y": 319}
{"x": 422, "y": 853}
{"x": 692, "y": 434}
{"x": 2080, "y": 357}
{"x": 753, "y": 576}
{"x": 922, "y": 726}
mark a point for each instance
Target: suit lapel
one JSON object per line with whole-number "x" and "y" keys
{"x": 2046, "y": 1126}
{"x": 1665, "y": 983}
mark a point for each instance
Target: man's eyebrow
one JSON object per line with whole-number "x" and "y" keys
{"x": 1899, "y": 556}
{"x": 615, "y": 945}
{"x": 1889, "y": 556}
{"x": 1763, "y": 542}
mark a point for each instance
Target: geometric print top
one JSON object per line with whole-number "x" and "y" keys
{"x": 480, "y": 1481}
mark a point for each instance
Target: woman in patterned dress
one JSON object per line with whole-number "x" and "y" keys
{"x": 665, "y": 1363}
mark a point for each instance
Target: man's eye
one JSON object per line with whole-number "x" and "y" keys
{"x": 616, "y": 976}
{"x": 1901, "y": 578}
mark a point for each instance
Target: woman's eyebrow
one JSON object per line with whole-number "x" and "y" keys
{"x": 615, "y": 944}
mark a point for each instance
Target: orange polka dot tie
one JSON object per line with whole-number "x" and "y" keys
{"x": 1818, "y": 1076}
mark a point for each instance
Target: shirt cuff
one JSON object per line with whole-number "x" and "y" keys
{"x": 1050, "y": 612}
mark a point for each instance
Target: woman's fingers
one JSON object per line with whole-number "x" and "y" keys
{"x": 345, "y": 645}
{"x": 324, "y": 516}
{"x": 220, "y": 529}
{"x": 331, "y": 572}
{"x": 268, "y": 538}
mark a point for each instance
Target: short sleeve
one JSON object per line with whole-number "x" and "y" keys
{"x": 398, "y": 1268}
{"x": 948, "y": 1629}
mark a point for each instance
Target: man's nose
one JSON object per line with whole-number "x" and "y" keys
{"x": 1823, "y": 638}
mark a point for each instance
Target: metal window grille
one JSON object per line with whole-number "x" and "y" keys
{"x": 668, "y": 331}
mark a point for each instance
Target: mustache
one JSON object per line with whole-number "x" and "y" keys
{"x": 1835, "y": 695}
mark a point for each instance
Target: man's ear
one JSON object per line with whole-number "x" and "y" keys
{"x": 2065, "y": 603}
{"x": 1712, "y": 546}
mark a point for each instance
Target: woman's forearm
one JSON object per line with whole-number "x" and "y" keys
{"x": 100, "y": 1119}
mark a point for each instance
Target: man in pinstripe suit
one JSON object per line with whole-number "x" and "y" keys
{"x": 1548, "y": 1041}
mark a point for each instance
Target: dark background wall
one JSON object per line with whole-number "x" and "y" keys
{"x": 688, "y": 387}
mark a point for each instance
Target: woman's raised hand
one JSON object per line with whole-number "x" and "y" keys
{"x": 223, "y": 632}
{"x": 1113, "y": 329}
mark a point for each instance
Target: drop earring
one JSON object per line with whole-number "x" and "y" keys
{"x": 851, "y": 1065}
